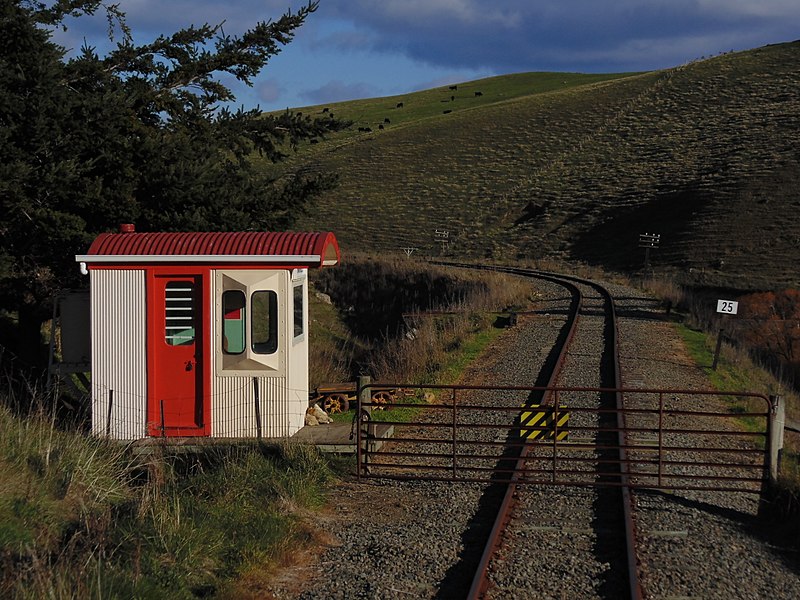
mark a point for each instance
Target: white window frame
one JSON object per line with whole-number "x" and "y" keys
{"x": 250, "y": 363}
{"x": 300, "y": 280}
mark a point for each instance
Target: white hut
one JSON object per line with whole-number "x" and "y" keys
{"x": 201, "y": 334}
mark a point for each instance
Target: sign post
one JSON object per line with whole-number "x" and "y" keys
{"x": 724, "y": 307}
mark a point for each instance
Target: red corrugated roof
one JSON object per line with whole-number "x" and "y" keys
{"x": 313, "y": 249}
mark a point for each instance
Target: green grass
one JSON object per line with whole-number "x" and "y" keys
{"x": 457, "y": 360}
{"x": 391, "y": 298}
{"x": 403, "y": 414}
{"x": 431, "y": 103}
{"x": 738, "y": 372}
{"x": 470, "y": 350}
{"x": 701, "y": 346}
{"x": 80, "y": 517}
{"x": 728, "y": 377}
{"x": 332, "y": 346}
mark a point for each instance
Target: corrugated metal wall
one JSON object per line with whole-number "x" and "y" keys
{"x": 119, "y": 370}
{"x": 233, "y": 407}
{"x": 119, "y": 365}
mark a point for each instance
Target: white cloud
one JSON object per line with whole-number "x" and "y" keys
{"x": 345, "y": 41}
{"x": 396, "y": 44}
{"x": 269, "y": 90}
{"x": 423, "y": 13}
{"x": 336, "y": 91}
{"x": 464, "y": 11}
{"x": 593, "y": 35}
{"x": 648, "y": 53}
{"x": 166, "y": 17}
{"x": 754, "y": 8}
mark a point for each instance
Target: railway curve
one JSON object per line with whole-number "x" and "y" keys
{"x": 399, "y": 538}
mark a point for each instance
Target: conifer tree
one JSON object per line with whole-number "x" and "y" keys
{"x": 140, "y": 135}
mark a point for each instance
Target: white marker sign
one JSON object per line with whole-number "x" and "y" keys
{"x": 728, "y": 307}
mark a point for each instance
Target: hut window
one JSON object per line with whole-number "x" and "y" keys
{"x": 298, "y": 311}
{"x": 179, "y": 313}
{"x": 233, "y": 322}
{"x": 252, "y": 314}
{"x": 264, "y": 311}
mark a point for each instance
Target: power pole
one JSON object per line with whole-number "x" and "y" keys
{"x": 442, "y": 236}
{"x": 648, "y": 241}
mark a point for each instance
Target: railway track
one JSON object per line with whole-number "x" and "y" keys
{"x": 596, "y": 515}
{"x": 511, "y": 467}
{"x": 422, "y": 519}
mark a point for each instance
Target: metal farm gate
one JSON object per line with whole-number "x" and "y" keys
{"x": 661, "y": 439}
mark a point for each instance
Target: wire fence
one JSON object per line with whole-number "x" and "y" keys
{"x": 251, "y": 409}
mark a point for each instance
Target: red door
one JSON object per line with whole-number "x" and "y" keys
{"x": 175, "y": 367}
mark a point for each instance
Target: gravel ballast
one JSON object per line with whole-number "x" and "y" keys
{"x": 417, "y": 539}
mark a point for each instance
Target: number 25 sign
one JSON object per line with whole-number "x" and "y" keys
{"x": 728, "y": 307}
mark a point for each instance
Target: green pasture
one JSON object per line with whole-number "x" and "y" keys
{"x": 432, "y": 103}
{"x": 575, "y": 166}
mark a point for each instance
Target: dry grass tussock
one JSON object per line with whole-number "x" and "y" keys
{"x": 402, "y": 317}
{"x": 82, "y": 517}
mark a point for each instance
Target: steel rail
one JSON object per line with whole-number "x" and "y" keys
{"x": 480, "y": 582}
{"x": 634, "y": 584}
{"x": 615, "y": 466}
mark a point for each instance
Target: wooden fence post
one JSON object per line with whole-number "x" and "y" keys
{"x": 717, "y": 349}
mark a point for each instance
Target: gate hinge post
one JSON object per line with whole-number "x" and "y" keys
{"x": 775, "y": 430}
{"x": 774, "y": 449}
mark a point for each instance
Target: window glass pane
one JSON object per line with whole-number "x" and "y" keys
{"x": 298, "y": 310}
{"x": 179, "y": 313}
{"x": 264, "y": 307}
{"x": 233, "y": 319}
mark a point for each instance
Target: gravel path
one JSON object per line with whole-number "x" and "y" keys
{"x": 416, "y": 539}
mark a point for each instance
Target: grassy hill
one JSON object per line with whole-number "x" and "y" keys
{"x": 576, "y": 166}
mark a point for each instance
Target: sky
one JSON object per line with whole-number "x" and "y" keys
{"x": 351, "y": 49}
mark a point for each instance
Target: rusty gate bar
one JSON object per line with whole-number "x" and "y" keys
{"x": 454, "y": 449}
{"x": 455, "y": 431}
{"x": 554, "y": 470}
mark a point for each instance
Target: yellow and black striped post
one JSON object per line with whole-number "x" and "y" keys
{"x": 544, "y": 420}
